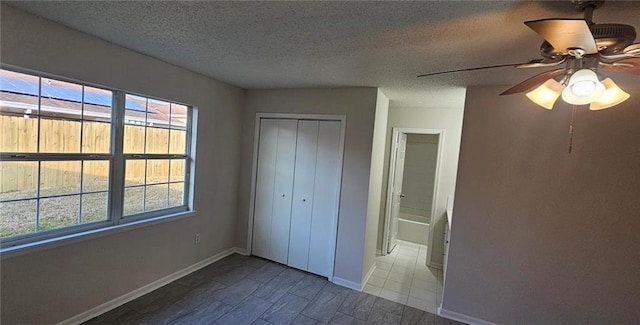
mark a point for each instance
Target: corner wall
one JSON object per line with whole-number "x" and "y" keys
{"x": 52, "y": 285}
{"x": 541, "y": 236}
{"x": 375, "y": 182}
{"x": 359, "y": 106}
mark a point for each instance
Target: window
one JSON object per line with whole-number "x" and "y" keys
{"x": 67, "y": 167}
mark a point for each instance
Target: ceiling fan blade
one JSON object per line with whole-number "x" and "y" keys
{"x": 542, "y": 63}
{"x": 631, "y": 65}
{"x": 631, "y": 51}
{"x": 473, "y": 69}
{"x": 565, "y": 34}
{"x": 532, "y": 82}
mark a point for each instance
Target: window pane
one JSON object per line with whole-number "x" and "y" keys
{"x": 156, "y": 197}
{"x": 176, "y": 194}
{"x": 157, "y": 140}
{"x": 133, "y": 200}
{"x": 19, "y": 93}
{"x": 157, "y": 171}
{"x": 178, "y": 131}
{"x": 59, "y": 177}
{"x": 60, "y": 99}
{"x": 94, "y": 207}
{"x": 59, "y": 212}
{"x": 177, "y": 141}
{"x": 134, "y": 172}
{"x": 19, "y": 133}
{"x": 97, "y": 104}
{"x": 95, "y": 175}
{"x": 158, "y": 113}
{"x": 17, "y": 218}
{"x": 133, "y": 139}
{"x": 59, "y": 136}
{"x": 177, "y": 170}
{"x": 18, "y": 179}
{"x": 96, "y": 137}
{"x": 135, "y": 121}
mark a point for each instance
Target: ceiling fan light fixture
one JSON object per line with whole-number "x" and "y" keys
{"x": 612, "y": 96}
{"x": 546, "y": 94}
{"x": 583, "y": 88}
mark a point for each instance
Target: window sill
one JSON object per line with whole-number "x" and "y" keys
{"x": 14, "y": 251}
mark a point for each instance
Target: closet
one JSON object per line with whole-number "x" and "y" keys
{"x": 297, "y": 184}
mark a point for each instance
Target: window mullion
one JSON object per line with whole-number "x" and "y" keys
{"x": 117, "y": 165}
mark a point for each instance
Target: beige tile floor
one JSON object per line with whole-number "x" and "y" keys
{"x": 403, "y": 277}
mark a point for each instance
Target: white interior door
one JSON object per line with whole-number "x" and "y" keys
{"x": 274, "y": 188}
{"x": 303, "y": 191}
{"x": 325, "y": 198}
{"x": 401, "y": 149}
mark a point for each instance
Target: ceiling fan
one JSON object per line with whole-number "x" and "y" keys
{"x": 588, "y": 51}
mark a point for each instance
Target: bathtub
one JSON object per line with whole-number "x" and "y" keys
{"x": 413, "y": 228}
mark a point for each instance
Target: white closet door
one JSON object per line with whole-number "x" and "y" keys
{"x": 274, "y": 187}
{"x": 303, "y": 183}
{"x": 325, "y": 198}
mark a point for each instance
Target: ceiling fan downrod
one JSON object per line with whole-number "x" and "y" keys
{"x": 587, "y": 6}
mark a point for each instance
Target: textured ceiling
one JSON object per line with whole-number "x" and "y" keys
{"x": 258, "y": 45}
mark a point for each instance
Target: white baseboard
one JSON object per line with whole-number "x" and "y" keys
{"x": 462, "y": 317}
{"x": 436, "y": 265}
{"x": 354, "y": 285}
{"x": 368, "y": 275}
{"x": 346, "y": 283}
{"x": 119, "y": 301}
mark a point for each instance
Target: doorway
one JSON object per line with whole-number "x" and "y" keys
{"x": 412, "y": 190}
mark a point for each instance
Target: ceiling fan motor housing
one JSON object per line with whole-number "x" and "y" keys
{"x": 610, "y": 39}
{"x": 613, "y": 38}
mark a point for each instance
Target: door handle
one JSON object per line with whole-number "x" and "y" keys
{"x": 402, "y": 195}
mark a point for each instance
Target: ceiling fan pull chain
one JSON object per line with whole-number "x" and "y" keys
{"x": 573, "y": 116}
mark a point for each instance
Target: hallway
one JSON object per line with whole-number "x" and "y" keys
{"x": 403, "y": 277}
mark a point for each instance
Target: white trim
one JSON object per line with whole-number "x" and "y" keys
{"x": 462, "y": 317}
{"x": 119, "y": 301}
{"x": 368, "y": 275}
{"x": 254, "y": 171}
{"x": 347, "y": 284}
{"x": 354, "y": 285}
{"x": 435, "y": 265}
{"x": 378, "y": 252}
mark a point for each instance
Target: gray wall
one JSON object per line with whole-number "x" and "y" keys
{"x": 419, "y": 174}
{"x": 541, "y": 236}
{"x": 51, "y": 285}
{"x": 359, "y": 105}
{"x": 446, "y": 117}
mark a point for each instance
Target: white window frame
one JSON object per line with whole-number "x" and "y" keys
{"x": 117, "y": 160}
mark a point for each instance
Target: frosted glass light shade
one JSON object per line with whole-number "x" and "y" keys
{"x": 583, "y": 88}
{"x": 612, "y": 96}
{"x": 546, "y": 94}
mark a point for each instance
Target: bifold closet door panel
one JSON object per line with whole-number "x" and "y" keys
{"x": 274, "y": 189}
{"x": 263, "y": 206}
{"x": 325, "y": 198}
{"x": 303, "y": 185}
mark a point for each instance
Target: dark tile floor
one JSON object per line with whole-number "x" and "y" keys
{"x": 248, "y": 290}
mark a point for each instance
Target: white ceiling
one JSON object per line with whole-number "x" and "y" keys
{"x": 258, "y": 45}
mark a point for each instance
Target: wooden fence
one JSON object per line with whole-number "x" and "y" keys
{"x": 20, "y": 134}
